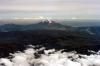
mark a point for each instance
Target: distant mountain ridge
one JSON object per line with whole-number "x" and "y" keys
{"x": 49, "y": 25}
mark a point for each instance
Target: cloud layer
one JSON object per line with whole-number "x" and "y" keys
{"x": 50, "y": 58}
{"x": 53, "y": 8}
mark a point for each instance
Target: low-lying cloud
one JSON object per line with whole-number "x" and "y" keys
{"x": 50, "y": 58}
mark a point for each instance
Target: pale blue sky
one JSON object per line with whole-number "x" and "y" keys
{"x": 51, "y": 8}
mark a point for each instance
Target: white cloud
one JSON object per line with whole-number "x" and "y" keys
{"x": 55, "y": 58}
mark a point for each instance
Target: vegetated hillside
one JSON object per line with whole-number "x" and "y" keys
{"x": 92, "y": 30}
{"x": 59, "y": 39}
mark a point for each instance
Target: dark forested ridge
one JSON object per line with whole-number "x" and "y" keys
{"x": 50, "y": 35}
{"x": 59, "y": 39}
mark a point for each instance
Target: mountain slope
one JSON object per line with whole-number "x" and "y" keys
{"x": 38, "y": 26}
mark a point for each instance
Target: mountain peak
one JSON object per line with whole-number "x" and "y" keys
{"x": 47, "y": 22}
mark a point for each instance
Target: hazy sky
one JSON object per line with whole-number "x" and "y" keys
{"x": 50, "y": 8}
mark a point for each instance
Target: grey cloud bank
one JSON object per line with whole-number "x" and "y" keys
{"x": 52, "y": 8}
